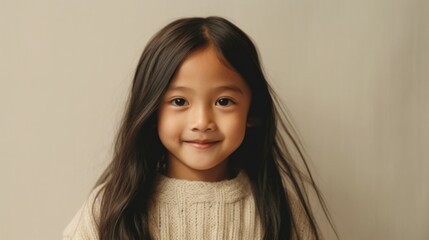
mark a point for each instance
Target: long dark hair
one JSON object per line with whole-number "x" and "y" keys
{"x": 127, "y": 183}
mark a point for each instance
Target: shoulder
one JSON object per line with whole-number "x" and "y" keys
{"x": 300, "y": 218}
{"x": 84, "y": 223}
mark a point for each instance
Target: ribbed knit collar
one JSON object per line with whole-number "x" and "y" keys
{"x": 172, "y": 190}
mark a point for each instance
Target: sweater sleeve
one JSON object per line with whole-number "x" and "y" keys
{"x": 83, "y": 226}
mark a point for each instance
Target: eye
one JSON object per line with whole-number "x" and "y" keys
{"x": 224, "y": 102}
{"x": 179, "y": 102}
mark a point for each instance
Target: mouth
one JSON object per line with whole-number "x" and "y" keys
{"x": 202, "y": 144}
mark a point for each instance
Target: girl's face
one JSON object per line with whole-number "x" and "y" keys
{"x": 202, "y": 117}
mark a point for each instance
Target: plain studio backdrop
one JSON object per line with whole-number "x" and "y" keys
{"x": 354, "y": 75}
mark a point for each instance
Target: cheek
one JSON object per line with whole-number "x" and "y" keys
{"x": 167, "y": 125}
{"x": 235, "y": 127}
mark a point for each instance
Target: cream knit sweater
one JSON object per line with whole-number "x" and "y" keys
{"x": 189, "y": 210}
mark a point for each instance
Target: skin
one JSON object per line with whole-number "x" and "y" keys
{"x": 202, "y": 118}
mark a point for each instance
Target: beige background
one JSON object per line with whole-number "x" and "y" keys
{"x": 354, "y": 74}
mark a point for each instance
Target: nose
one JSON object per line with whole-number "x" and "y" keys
{"x": 203, "y": 119}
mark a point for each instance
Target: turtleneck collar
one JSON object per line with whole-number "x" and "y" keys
{"x": 172, "y": 190}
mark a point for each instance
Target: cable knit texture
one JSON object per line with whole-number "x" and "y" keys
{"x": 205, "y": 210}
{"x": 182, "y": 209}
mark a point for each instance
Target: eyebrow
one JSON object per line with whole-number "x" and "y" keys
{"x": 232, "y": 88}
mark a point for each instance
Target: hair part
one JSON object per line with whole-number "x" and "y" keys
{"x": 128, "y": 182}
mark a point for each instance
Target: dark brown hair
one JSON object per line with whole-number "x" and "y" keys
{"x": 128, "y": 181}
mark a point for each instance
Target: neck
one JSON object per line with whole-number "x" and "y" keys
{"x": 215, "y": 174}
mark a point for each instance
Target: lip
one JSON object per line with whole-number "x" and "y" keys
{"x": 202, "y": 144}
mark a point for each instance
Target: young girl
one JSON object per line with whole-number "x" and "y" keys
{"x": 200, "y": 153}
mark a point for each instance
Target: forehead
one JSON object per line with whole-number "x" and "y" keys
{"x": 205, "y": 69}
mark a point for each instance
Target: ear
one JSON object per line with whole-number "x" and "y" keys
{"x": 250, "y": 122}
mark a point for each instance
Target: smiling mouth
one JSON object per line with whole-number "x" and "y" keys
{"x": 202, "y": 144}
